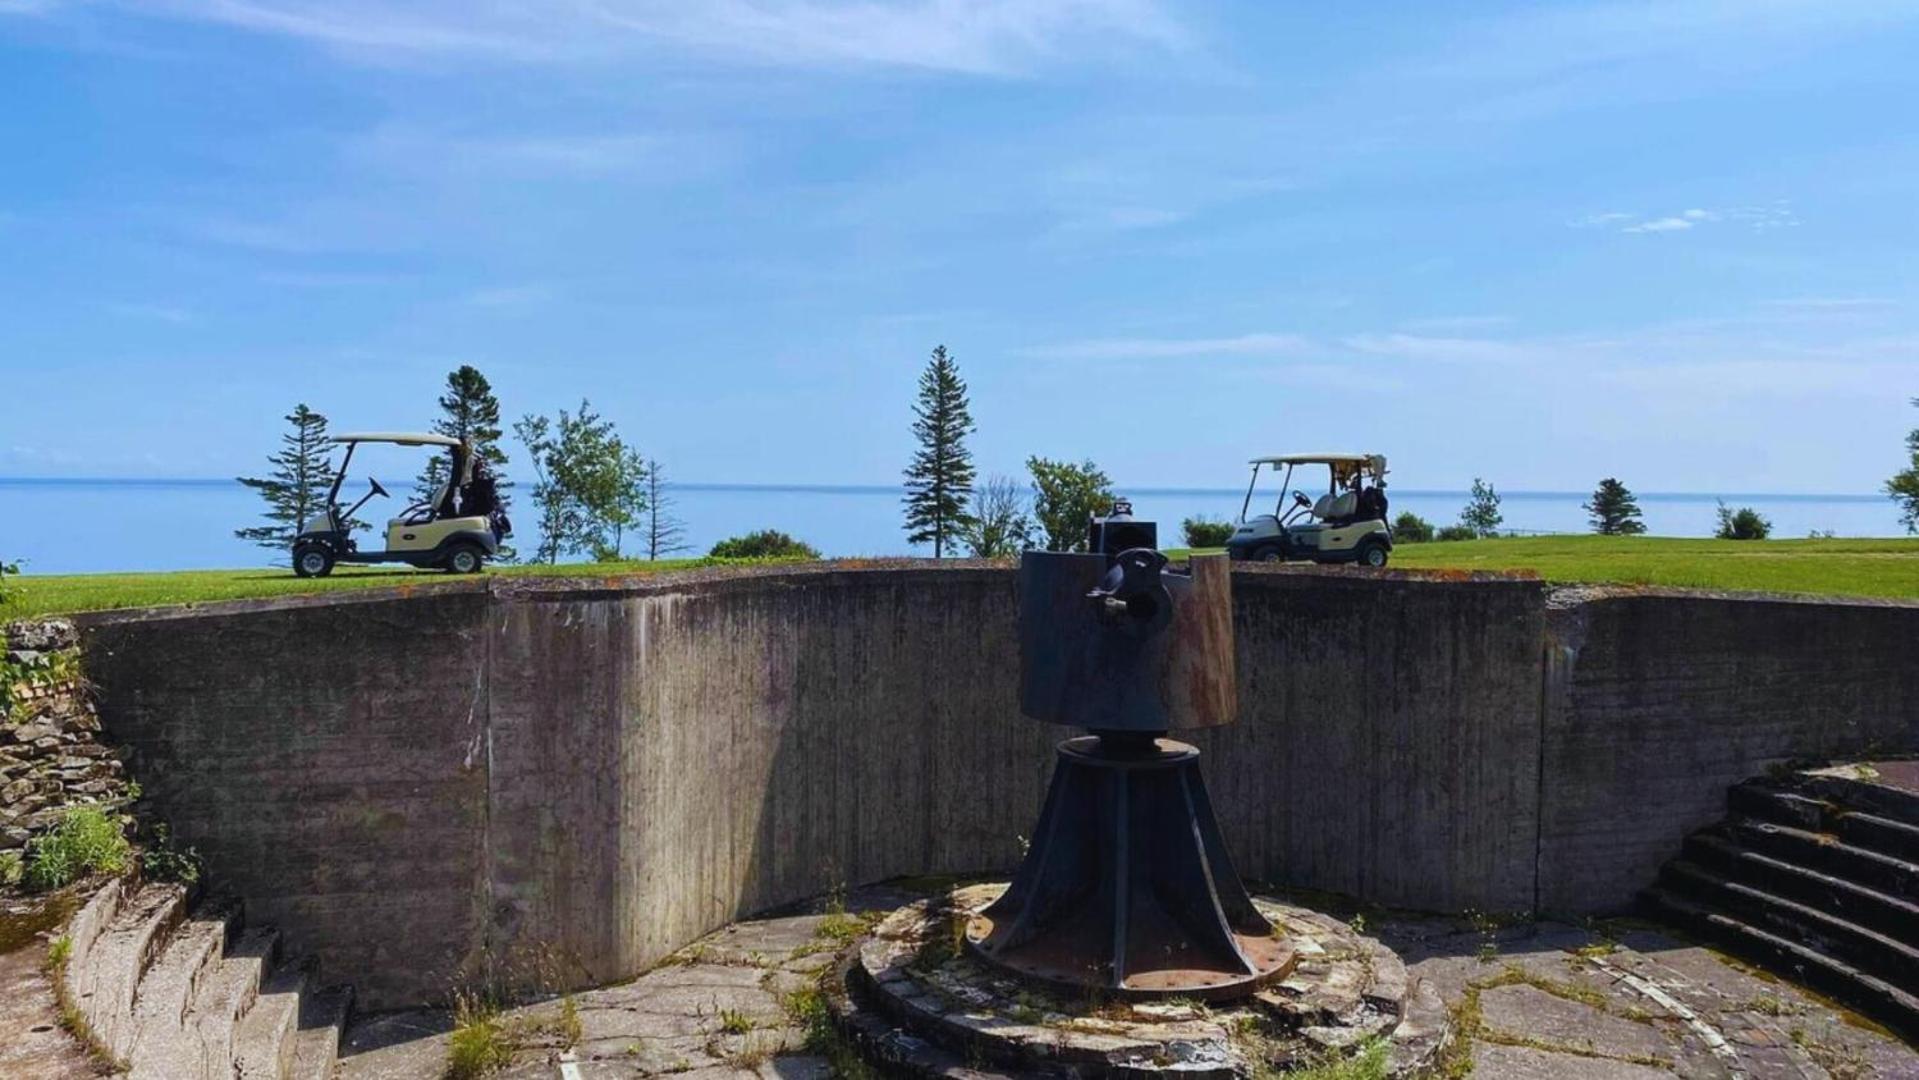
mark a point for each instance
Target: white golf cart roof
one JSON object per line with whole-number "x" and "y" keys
{"x": 404, "y": 438}
{"x": 1379, "y": 460}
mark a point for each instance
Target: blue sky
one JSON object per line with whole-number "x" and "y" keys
{"x": 1670, "y": 241}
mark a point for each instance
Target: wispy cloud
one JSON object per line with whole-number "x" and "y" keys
{"x": 1777, "y": 215}
{"x": 1170, "y": 348}
{"x": 1457, "y": 323}
{"x": 981, "y": 36}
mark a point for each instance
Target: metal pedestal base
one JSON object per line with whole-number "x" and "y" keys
{"x": 1127, "y": 889}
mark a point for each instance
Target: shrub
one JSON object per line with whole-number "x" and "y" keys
{"x": 1410, "y": 528}
{"x": 12, "y": 868}
{"x": 765, "y": 544}
{"x": 7, "y": 590}
{"x": 86, "y": 840}
{"x": 1744, "y": 523}
{"x": 1456, "y": 532}
{"x": 1203, "y": 532}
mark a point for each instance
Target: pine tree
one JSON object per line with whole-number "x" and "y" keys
{"x": 1614, "y": 510}
{"x": 296, "y": 491}
{"x": 471, "y": 413}
{"x": 1903, "y": 488}
{"x": 665, "y": 534}
{"x": 939, "y": 482}
{"x": 1481, "y": 514}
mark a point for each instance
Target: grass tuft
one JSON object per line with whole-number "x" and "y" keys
{"x": 480, "y": 1042}
{"x": 87, "y": 840}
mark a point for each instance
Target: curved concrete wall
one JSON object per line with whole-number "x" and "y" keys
{"x": 405, "y": 783}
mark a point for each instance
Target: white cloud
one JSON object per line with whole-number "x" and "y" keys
{"x": 1776, "y": 215}
{"x": 975, "y": 36}
{"x": 1664, "y": 224}
{"x": 1171, "y": 348}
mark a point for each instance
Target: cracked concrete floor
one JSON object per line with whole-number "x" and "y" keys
{"x": 1544, "y": 1001}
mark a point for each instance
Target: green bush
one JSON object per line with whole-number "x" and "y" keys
{"x": 1410, "y": 528}
{"x": 1204, "y": 532}
{"x": 12, "y": 868}
{"x": 86, "y": 841}
{"x": 765, "y": 544}
{"x": 1744, "y": 523}
{"x": 1456, "y": 532}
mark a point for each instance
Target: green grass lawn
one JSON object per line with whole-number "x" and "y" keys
{"x": 65, "y": 593}
{"x": 1846, "y": 567}
{"x": 1888, "y": 568}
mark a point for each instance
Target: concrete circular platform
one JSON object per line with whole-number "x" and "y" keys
{"x": 918, "y": 1002}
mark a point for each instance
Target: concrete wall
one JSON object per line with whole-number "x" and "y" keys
{"x": 605, "y": 770}
{"x": 1656, "y": 704}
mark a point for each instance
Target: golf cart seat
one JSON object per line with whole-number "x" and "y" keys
{"x": 1336, "y": 507}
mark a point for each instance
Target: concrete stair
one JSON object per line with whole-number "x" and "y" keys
{"x": 1815, "y": 874}
{"x": 178, "y": 992}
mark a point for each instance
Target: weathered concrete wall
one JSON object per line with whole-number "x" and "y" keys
{"x": 1388, "y": 743}
{"x": 328, "y": 761}
{"x": 1656, "y": 704}
{"x": 605, "y": 770}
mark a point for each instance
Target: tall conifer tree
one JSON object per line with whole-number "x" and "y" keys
{"x": 939, "y": 482}
{"x": 296, "y": 490}
{"x": 1614, "y": 510}
{"x": 470, "y": 412}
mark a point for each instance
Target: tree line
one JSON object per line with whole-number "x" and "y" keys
{"x": 594, "y": 493}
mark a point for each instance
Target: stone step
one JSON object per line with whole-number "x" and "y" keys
{"x": 1848, "y": 900}
{"x": 1860, "y": 826}
{"x": 203, "y": 1048}
{"x": 1765, "y": 800}
{"x": 91, "y": 921}
{"x": 1866, "y": 949}
{"x": 1880, "y": 834}
{"x": 190, "y": 956}
{"x": 323, "y": 1018}
{"x": 103, "y": 987}
{"x": 264, "y": 1043}
{"x": 1893, "y": 1006}
{"x": 1827, "y": 853}
{"x": 1860, "y": 794}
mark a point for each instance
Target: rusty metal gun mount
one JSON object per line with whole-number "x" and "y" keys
{"x": 1127, "y": 889}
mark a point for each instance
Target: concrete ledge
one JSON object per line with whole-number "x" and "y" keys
{"x": 412, "y": 782}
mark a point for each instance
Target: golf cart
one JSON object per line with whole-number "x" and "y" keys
{"x": 1347, "y": 524}
{"x": 458, "y": 529}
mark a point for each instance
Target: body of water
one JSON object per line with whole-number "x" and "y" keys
{"x": 92, "y": 526}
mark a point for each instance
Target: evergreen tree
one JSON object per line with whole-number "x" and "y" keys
{"x": 1614, "y": 510}
{"x": 665, "y": 534}
{"x": 1481, "y": 513}
{"x": 469, "y": 412}
{"x": 939, "y": 482}
{"x": 1903, "y": 488}
{"x": 1744, "y": 523}
{"x": 296, "y": 490}
{"x": 1065, "y": 496}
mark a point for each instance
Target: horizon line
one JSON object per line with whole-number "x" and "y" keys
{"x": 876, "y": 489}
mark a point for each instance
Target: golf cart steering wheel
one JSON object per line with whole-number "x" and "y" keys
{"x": 377, "y": 489}
{"x": 1304, "y": 502}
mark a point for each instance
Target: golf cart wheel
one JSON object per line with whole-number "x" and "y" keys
{"x": 465, "y": 559}
{"x": 1268, "y": 553}
{"x": 312, "y": 560}
{"x": 1372, "y": 553}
